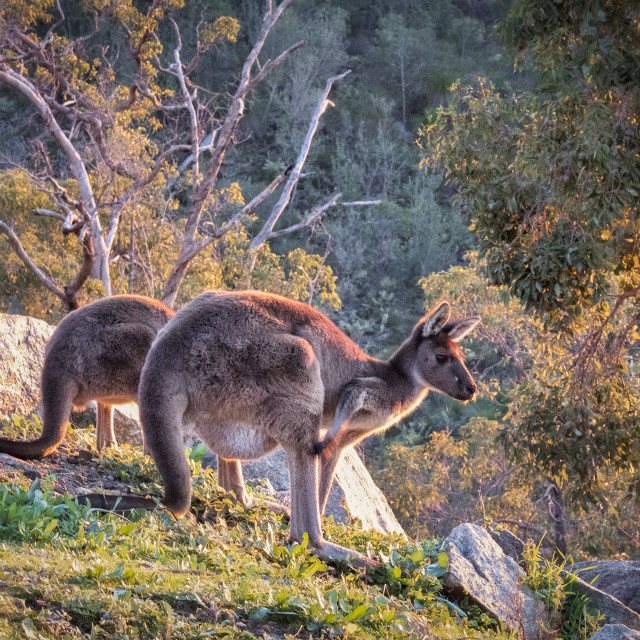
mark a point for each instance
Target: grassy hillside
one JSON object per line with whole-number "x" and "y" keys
{"x": 68, "y": 571}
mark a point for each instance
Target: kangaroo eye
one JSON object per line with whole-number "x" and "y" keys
{"x": 440, "y": 359}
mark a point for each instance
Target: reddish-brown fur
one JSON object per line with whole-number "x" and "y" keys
{"x": 252, "y": 371}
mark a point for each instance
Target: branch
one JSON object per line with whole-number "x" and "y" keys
{"x": 521, "y": 525}
{"x": 205, "y": 145}
{"x": 14, "y": 241}
{"x": 89, "y": 257}
{"x": 360, "y": 203}
{"x": 192, "y": 112}
{"x": 76, "y": 164}
{"x": 46, "y": 212}
{"x": 285, "y": 197}
{"x": 269, "y": 65}
{"x": 238, "y": 217}
{"x": 314, "y": 215}
{"x": 135, "y": 188}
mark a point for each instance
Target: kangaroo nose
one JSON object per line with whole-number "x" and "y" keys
{"x": 471, "y": 388}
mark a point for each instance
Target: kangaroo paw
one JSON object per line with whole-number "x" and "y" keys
{"x": 334, "y": 552}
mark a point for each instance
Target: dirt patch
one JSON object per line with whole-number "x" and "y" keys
{"x": 76, "y": 471}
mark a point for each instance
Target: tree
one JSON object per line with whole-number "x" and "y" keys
{"x": 130, "y": 132}
{"x": 551, "y": 182}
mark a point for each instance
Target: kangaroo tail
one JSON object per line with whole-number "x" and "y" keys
{"x": 57, "y": 396}
{"x": 161, "y": 417}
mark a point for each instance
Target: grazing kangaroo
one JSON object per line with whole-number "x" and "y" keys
{"x": 252, "y": 371}
{"x": 95, "y": 353}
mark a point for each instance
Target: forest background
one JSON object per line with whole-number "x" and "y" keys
{"x": 432, "y": 108}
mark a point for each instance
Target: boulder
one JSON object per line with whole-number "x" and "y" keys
{"x": 614, "y": 611}
{"x": 353, "y": 494}
{"x": 354, "y": 487}
{"x": 510, "y": 544}
{"x": 615, "y": 632}
{"x": 22, "y": 342}
{"x": 479, "y": 568}
{"x": 619, "y": 579}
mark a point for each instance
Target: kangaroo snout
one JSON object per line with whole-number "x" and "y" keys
{"x": 468, "y": 389}
{"x": 471, "y": 389}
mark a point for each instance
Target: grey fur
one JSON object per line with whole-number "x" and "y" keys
{"x": 252, "y": 371}
{"x": 95, "y": 353}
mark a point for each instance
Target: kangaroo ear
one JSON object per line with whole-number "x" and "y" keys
{"x": 436, "y": 320}
{"x": 461, "y": 328}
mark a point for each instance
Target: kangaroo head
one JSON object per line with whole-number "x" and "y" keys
{"x": 439, "y": 360}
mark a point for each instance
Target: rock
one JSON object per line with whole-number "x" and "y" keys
{"x": 619, "y": 579}
{"x": 613, "y": 588}
{"x": 615, "y": 632}
{"x": 272, "y": 467}
{"x": 479, "y": 568}
{"x": 126, "y": 422}
{"x": 353, "y": 495}
{"x": 22, "y": 342}
{"x": 364, "y": 500}
{"x": 510, "y": 544}
{"x": 614, "y": 611}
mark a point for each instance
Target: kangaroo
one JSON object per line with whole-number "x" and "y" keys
{"x": 251, "y": 371}
{"x": 95, "y": 353}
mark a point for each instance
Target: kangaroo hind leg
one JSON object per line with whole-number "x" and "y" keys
{"x": 105, "y": 435}
{"x": 305, "y": 511}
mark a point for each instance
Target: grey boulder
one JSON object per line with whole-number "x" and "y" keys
{"x": 615, "y": 632}
{"x": 480, "y": 569}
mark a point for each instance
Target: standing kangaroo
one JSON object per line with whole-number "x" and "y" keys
{"x": 252, "y": 371}
{"x": 95, "y": 353}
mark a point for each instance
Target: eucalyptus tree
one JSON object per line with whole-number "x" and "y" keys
{"x": 551, "y": 181}
{"x": 129, "y": 125}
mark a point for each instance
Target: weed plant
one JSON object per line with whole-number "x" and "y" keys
{"x": 571, "y": 617}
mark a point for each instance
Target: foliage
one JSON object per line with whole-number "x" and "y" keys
{"x": 119, "y": 176}
{"x": 486, "y": 463}
{"x": 57, "y": 254}
{"x": 451, "y": 479}
{"x": 35, "y": 514}
{"x": 570, "y": 613}
{"x": 550, "y": 180}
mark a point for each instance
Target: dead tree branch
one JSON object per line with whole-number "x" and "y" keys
{"x": 223, "y": 139}
{"x": 295, "y": 175}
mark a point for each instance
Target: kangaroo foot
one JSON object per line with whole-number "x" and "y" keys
{"x": 334, "y": 552}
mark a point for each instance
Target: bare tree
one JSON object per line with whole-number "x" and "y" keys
{"x": 82, "y": 114}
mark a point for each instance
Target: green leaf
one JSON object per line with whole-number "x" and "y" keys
{"x": 357, "y": 613}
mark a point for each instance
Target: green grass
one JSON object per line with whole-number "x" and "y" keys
{"x": 69, "y": 571}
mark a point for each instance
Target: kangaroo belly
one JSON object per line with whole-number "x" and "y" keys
{"x": 107, "y": 394}
{"x": 235, "y": 441}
